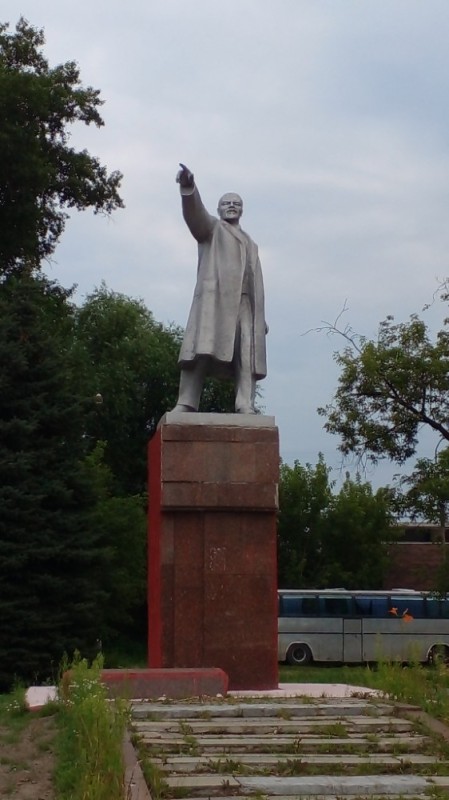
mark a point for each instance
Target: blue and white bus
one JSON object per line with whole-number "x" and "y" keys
{"x": 356, "y": 627}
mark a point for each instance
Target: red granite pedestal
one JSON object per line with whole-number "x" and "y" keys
{"x": 212, "y": 546}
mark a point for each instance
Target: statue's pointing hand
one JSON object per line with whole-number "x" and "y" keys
{"x": 185, "y": 178}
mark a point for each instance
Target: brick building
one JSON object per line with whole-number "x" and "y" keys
{"x": 416, "y": 558}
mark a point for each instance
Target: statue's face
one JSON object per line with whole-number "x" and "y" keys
{"x": 230, "y": 207}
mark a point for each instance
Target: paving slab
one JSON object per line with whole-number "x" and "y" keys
{"x": 311, "y": 690}
{"x": 269, "y": 761}
{"x": 268, "y": 709}
{"x": 202, "y": 781}
{"x": 232, "y": 744}
{"x": 170, "y": 743}
{"x": 255, "y": 726}
{"x": 38, "y": 696}
{"x": 440, "y": 780}
{"x": 421, "y": 796}
{"x": 259, "y": 727}
{"x": 368, "y": 785}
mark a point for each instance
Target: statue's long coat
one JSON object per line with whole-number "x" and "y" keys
{"x": 223, "y": 252}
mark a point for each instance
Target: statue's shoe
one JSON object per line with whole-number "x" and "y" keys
{"x": 183, "y": 408}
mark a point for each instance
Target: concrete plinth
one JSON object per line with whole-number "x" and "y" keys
{"x": 151, "y": 684}
{"x": 212, "y": 546}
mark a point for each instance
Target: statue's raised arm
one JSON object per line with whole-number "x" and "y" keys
{"x": 225, "y": 332}
{"x": 198, "y": 219}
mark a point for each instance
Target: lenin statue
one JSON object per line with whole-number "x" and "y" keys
{"x": 226, "y": 329}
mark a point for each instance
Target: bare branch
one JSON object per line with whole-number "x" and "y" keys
{"x": 332, "y": 328}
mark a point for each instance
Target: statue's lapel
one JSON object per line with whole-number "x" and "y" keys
{"x": 246, "y": 243}
{"x": 236, "y": 232}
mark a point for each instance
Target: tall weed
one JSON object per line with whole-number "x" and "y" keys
{"x": 426, "y": 686}
{"x": 422, "y": 685}
{"x": 90, "y": 760}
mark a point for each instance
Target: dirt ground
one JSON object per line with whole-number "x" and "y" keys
{"x": 27, "y": 761}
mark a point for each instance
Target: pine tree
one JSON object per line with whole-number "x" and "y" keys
{"x": 50, "y": 563}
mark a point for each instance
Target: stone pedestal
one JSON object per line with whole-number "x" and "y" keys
{"x": 212, "y": 546}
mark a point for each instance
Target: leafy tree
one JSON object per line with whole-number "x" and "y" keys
{"x": 359, "y": 529}
{"x": 425, "y": 493}
{"x": 50, "y": 559}
{"x": 40, "y": 174}
{"x": 327, "y": 539}
{"x": 132, "y": 361}
{"x": 304, "y": 497}
{"x": 218, "y": 396}
{"x": 389, "y": 389}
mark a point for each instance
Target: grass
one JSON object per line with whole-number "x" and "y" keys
{"x": 337, "y": 729}
{"x": 13, "y": 714}
{"x": 295, "y": 767}
{"x": 284, "y": 713}
{"x": 154, "y": 776}
{"x": 89, "y": 745}
{"x": 226, "y": 766}
{"x": 424, "y": 686}
{"x": 205, "y": 715}
{"x": 323, "y": 674}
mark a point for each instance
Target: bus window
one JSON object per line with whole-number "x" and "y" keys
{"x": 437, "y": 607}
{"x": 444, "y": 608}
{"x": 297, "y": 606}
{"x": 412, "y": 605}
{"x": 363, "y": 606}
{"x": 310, "y": 606}
{"x": 433, "y": 608}
{"x": 290, "y": 606}
{"x": 336, "y": 606}
{"x": 379, "y": 607}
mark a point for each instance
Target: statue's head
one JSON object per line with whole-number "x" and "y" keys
{"x": 230, "y": 208}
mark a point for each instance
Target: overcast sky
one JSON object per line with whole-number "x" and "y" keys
{"x": 329, "y": 117}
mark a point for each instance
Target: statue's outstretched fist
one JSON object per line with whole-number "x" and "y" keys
{"x": 184, "y": 177}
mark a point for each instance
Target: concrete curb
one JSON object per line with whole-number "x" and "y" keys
{"x": 135, "y": 785}
{"x": 434, "y": 725}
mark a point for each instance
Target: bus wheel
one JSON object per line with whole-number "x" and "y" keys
{"x": 439, "y": 654}
{"x": 299, "y": 655}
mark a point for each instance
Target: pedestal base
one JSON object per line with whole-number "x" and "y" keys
{"x": 212, "y": 546}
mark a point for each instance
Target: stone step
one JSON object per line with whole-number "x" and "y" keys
{"x": 258, "y": 761}
{"x": 218, "y": 750}
{"x": 309, "y": 786}
{"x": 335, "y": 708}
{"x": 423, "y": 796}
{"x": 279, "y": 726}
{"x": 285, "y": 744}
